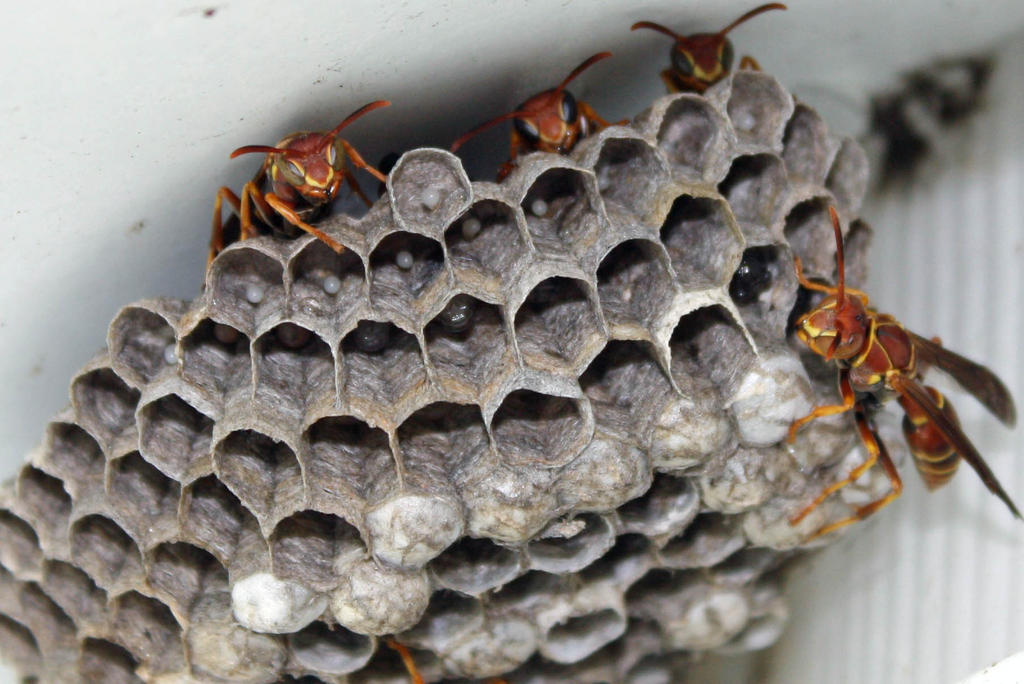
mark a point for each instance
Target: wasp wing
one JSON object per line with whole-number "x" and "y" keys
{"x": 973, "y": 377}
{"x": 915, "y": 392}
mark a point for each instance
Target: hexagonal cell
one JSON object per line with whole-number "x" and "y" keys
{"x": 634, "y": 286}
{"x": 403, "y": 266}
{"x": 246, "y": 287}
{"x": 141, "y": 344}
{"x": 262, "y": 472}
{"x": 181, "y": 573}
{"x": 326, "y": 285}
{"x": 175, "y": 438}
{"x": 557, "y": 326}
{"x": 385, "y": 376}
{"x": 472, "y": 357}
{"x": 487, "y": 239}
{"x": 448, "y": 618}
{"x": 103, "y": 661}
{"x": 19, "y": 545}
{"x": 147, "y": 628}
{"x": 807, "y": 148}
{"x": 213, "y": 518}
{"x": 708, "y": 343}
{"x": 580, "y": 636}
{"x": 627, "y": 387}
{"x": 571, "y": 545}
{"x": 665, "y": 510}
{"x": 473, "y": 566}
{"x": 331, "y": 650}
{"x": 19, "y": 646}
{"x": 759, "y": 108}
{"x": 624, "y": 563}
{"x": 428, "y": 188}
{"x": 45, "y": 501}
{"x": 811, "y": 237}
{"x": 294, "y": 371}
{"x": 702, "y": 243}
{"x": 310, "y": 547}
{"x": 144, "y": 496}
{"x": 754, "y": 187}
{"x": 763, "y": 288}
{"x": 76, "y": 594}
{"x": 215, "y": 357}
{"x": 345, "y": 461}
{"x": 531, "y": 428}
{"x": 74, "y": 455}
{"x": 746, "y": 565}
{"x": 689, "y": 134}
{"x": 848, "y": 177}
{"x": 558, "y": 210}
{"x": 105, "y": 551}
{"x": 438, "y": 440}
{"x": 104, "y": 404}
{"x": 53, "y": 628}
{"x": 629, "y": 174}
{"x": 855, "y": 252}
{"x": 710, "y": 539}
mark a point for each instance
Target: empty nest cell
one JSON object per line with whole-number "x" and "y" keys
{"x": 807, "y": 148}
{"x": 74, "y": 455}
{"x": 486, "y": 239}
{"x": 326, "y": 285}
{"x": 571, "y": 545}
{"x": 19, "y": 545}
{"x": 44, "y": 500}
{"x": 531, "y": 428}
{"x": 145, "y": 498}
{"x": 626, "y": 387}
{"x": 689, "y": 133}
{"x": 754, "y": 187}
{"x": 105, "y": 551}
{"x": 558, "y": 210}
{"x": 103, "y": 661}
{"x": 330, "y": 649}
{"x": 629, "y": 174}
{"x": 215, "y": 357}
{"x": 245, "y": 287}
{"x": 141, "y": 344}
{"x": 148, "y": 629}
{"x": 77, "y": 595}
{"x": 467, "y": 343}
{"x": 213, "y": 518}
{"x": 666, "y": 509}
{"x": 19, "y": 645}
{"x": 175, "y": 438}
{"x": 473, "y": 566}
{"x": 310, "y": 547}
{"x": 703, "y": 246}
{"x": 439, "y": 440}
{"x": 624, "y": 563}
{"x": 848, "y": 178}
{"x": 294, "y": 371}
{"x": 811, "y": 237}
{"x": 262, "y": 472}
{"x": 557, "y": 326}
{"x": 759, "y": 108}
{"x": 104, "y": 404}
{"x": 403, "y": 267}
{"x": 709, "y": 343}
{"x": 383, "y": 375}
{"x": 709, "y": 539}
{"x": 580, "y": 636}
{"x": 634, "y": 286}
{"x": 346, "y": 462}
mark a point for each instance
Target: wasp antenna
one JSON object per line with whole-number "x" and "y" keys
{"x": 656, "y": 27}
{"x": 752, "y": 13}
{"x": 249, "y": 149}
{"x": 483, "y": 127}
{"x": 356, "y": 114}
{"x": 583, "y": 67}
{"x": 840, "y": 258}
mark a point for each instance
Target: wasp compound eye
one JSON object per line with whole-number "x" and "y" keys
{"x": 528, "y": 130}
{"x": 569, "y": 109}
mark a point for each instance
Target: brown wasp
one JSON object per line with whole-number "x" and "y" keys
{"x": 879, "y": 358}
{"x": 703, "y": 59}
{"x": 299, "y": 178}
{"x": 551, "y": 121}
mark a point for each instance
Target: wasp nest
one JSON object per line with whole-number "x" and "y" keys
{"x": 523, "y": 427}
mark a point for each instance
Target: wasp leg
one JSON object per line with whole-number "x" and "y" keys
{"x": 289, "y": 215}
{"x": 881, "y": 454}
{"x": 354, "y": 184}
{"x": 359, "y": 162}
{"x": 515, "y": 143}
{"x": 588, "y": 112}
{"x": 849, "y": 400}
{"x": 749, "y": 62}
{"x": 217, "y": 229}
{"x": 407, "y": 660}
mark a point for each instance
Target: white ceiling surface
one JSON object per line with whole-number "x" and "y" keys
{"x": 932, "y": 588}
{"x": 118, "y": 119}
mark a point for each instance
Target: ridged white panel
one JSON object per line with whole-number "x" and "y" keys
{"x": 930, "y": 590}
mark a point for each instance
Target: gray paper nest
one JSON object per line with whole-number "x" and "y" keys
{"x": 587, "y": 484}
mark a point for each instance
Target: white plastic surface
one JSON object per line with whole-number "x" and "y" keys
{"x": 118, "y": 118}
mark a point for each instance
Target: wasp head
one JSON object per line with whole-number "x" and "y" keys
{"x": 836, "y": 329}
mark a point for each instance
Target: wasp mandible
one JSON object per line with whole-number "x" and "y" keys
{"x": 702, "y": 59}
{"x": 551, "y": 121}
{"x": 298, "y": 179}
{"x": 878, "y": 358}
